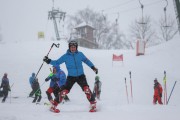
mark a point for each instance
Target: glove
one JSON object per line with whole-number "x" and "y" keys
{"x": 46, "y": 79}
{"x": 46, "y": 59}
{"x": 94, "y": 69}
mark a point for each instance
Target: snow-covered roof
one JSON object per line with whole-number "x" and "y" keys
{"x": 84, "y": 24}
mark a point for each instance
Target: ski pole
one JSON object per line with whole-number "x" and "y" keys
{"x": 39, "y": 87}
{"x": 10, "y": 92}
{"x": 131, "y": 86}
{"x": 171, "y": 92}
{"x": 56, "y": 45}
{"x": 126, "y": 91}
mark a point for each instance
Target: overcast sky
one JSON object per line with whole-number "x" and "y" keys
{"x": 24, "y": 18}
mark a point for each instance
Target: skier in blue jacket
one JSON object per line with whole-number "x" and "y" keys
{"x": 58, "y": 79}
{"x": 73, "y": 60}
{"x": 31, "y": 80}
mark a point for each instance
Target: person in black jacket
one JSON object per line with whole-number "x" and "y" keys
{"x": 97, "y": 88}
{"x": 36, "y": 91}
{"x": 5, "y": 86}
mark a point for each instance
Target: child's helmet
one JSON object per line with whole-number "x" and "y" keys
{"x": 155, "y": 80}
{"x": 97, "y": 78}
{"x": 57, "y": 67}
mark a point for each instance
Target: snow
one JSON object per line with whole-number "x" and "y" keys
{"x": 19, "y": 59}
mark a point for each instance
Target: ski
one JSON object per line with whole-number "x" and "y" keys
{"x": 46, "y": 103}
{"x": 52, "y": 109}
{"x": 93, "y": 110}
{"x": 15, "y": 97}
{"x": 37, "y": 103}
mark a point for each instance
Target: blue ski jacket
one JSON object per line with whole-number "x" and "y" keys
{"x": 57, "y": 79}
{"x": 73, "y": 62}
{"x": 31, "y": 79}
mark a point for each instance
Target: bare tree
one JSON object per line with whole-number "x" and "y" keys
{"x": 90, "y": 17}
{"x": 106, "y": 34}
{"x": 142, "y": 30}
{"x": 116, "y": 39}
{"x": 167, "y": 29}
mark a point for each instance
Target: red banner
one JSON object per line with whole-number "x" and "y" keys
{"x": 117, "y": 58}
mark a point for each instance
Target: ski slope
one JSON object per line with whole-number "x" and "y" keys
{"x": 20, "y": 59}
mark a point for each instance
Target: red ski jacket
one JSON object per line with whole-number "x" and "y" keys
{"x": 158, "y": 89}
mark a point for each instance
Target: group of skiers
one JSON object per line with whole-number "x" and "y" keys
{"x": 73, "y": 60}
{"x": 60, "y": 85}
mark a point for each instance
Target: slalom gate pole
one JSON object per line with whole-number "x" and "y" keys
{"x": 171, "y": 92}
{"x": 131, "y": 86}
{"x": 56, "y": 45}
{"x": 126, "y": 92}
{"x": 10, "y": 92}
{"x": 165, "y": 89}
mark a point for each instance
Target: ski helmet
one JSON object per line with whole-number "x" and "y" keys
{"x": 97, "y": 78}
{"x": 5, "y": 74}
{"x": 33, "y": 74}
{"x": 155, "y": 80}
{"x": 56, "y": 67}
{"x": 73, "y": 43}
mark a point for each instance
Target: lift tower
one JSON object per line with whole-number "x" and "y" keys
{"x": 54, "y": 15}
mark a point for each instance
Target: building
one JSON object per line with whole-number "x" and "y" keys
{"x": 84, "y": 35}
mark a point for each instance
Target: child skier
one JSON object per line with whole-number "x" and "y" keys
{"x": 36, "y": 91}
{"x": 97, "y": 88}
{"x": 58, "y": 79}
{"x": 31, "y": 80}
{"x": 157, "y": 92}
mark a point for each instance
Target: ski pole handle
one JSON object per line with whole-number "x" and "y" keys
{"x": 130, "y": 74}
{"x": 57, "y": 45}
{"x": 165, "y": 73}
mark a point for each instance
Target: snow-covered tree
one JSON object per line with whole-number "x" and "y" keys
{"x": 142, "y": 30}
{"x": 167, "y": 29}
{"x": 107, "y": 35}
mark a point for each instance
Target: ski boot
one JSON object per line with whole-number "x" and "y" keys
{"x": 93, "y": 107}
{"x": 53, "y": 107}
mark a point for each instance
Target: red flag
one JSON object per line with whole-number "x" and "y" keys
{"x": 117, "y": 58}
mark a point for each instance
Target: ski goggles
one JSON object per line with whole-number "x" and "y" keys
{"x": 73, "y": 44}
